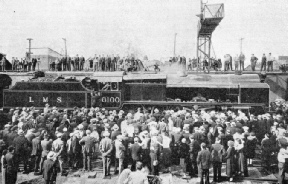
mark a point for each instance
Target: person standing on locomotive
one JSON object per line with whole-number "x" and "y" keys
{"x": 82, "y": 62}
{"x": 95, "y": 63}
{"x": 242, "y": 59}
{"x": 236, "y": 62}
{"x": 76, "y": 60}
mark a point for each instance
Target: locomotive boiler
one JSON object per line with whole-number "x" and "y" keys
{"x": 118, "y": 90}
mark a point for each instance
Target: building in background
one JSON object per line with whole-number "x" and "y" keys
{"x": 46, "y": 56}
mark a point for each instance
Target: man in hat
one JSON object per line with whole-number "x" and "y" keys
{"x": 120, "y": 153}
{"x": 21, "y": 146}
{"x": 106, "y": 148}
{"x": 157, "y": 115}
{"x": 217, "y": 153}
{"x": 194, "y": 148}
{"x": 50, "y": 169}
{"x": 36, "y": 152}
{"x": 10, "y": 163}
{"x": 5, "y": 132}
{"x": 75, "y": 149}
{"x": 11, "y": 135}
{"x": 87, "y": 149}
{"x": 115, "y": 132}
{"x": 266, "y": 147}
{"x": 46, "y": 146}
{"x": 145, "y": 145}
{"x": 59, "y": 149}
{"x": 204, "y": 161}
{"x": 136, "y": 152}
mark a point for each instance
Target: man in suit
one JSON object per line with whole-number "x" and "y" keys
{"x": 242, "y": 59}
{"x": 217, "y": 153}
{"x": 36, "y": 152}
{"x": 253, "y": 61}
{"x": 203, "y": 162}
{"x": 87, "y": 149}
{"x": 81, "y": 61}
{"x": 106, "y": 148}
{"x": 50, "y": 169}
{"x": 46, "y": 146}
{"x": 108, "y": 64}
{"x": 10, "y": 163}
{"x": 21, "y": 145}
{"x": 75, "y": 149}
{"x": 135, "y": 153}
{"x": 77, "y": 62}
{"x": 194, "y": 148}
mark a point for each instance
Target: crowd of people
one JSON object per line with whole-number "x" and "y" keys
{"x": 96, "y": 63}
{"x": 22, "y": 65}
{"x": 265, "y": 65}
{"x": 238, "y": 62}
{"x": 46, "y": 140}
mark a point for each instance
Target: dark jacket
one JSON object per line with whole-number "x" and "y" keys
{"x": 89, "y": 144}
{"x": 10, "y": 163}
{"x": 21, "y": 145}
{"x": 49, "y": 170}
{"x": 76, "y": 147}
{"x": 217, "y": 153}
{"x": 194, "y": 149}
{"x": 204, "y": 159}
{"x": 230, "y": 167}
{"x": 136, "y": 151}
{"x": 184, "y": 150}
{"x": 106, "y": 147}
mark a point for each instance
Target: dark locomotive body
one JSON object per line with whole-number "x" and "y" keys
{"x": 116, "y": 90}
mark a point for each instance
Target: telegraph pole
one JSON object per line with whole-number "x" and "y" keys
{"x": 175, "y": 44}
{"x": 29, "y": 53}
{"x": 65, "y": 47}
{"x": 241, "y": 40}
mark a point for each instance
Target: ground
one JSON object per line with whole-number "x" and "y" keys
{"x": 256, "y": 175}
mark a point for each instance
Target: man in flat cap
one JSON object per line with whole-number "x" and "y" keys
{"x": 88, "y": 143}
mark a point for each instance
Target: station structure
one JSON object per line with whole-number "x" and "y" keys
{"x": 210, "y": 17}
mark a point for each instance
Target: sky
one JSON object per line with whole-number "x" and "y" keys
{"x": 142, "y": 27}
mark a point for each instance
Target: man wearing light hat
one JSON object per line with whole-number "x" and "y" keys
{"x": 106, "y": 148}
{"x": 119, "y": 153}
{"x": 50, "y": 169}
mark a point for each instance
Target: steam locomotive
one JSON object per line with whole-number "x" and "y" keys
{"x": 118, "y": 90}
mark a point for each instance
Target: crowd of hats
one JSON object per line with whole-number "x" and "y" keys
{"x": 28, "y": 121}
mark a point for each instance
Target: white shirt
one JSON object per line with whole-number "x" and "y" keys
{"x": 123, "y": 126}
{"x": 283, "y": 153}
{"x": 269, "y": 58}
{"x": 166, "y": 142}
{"x": 130, "y": 130}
